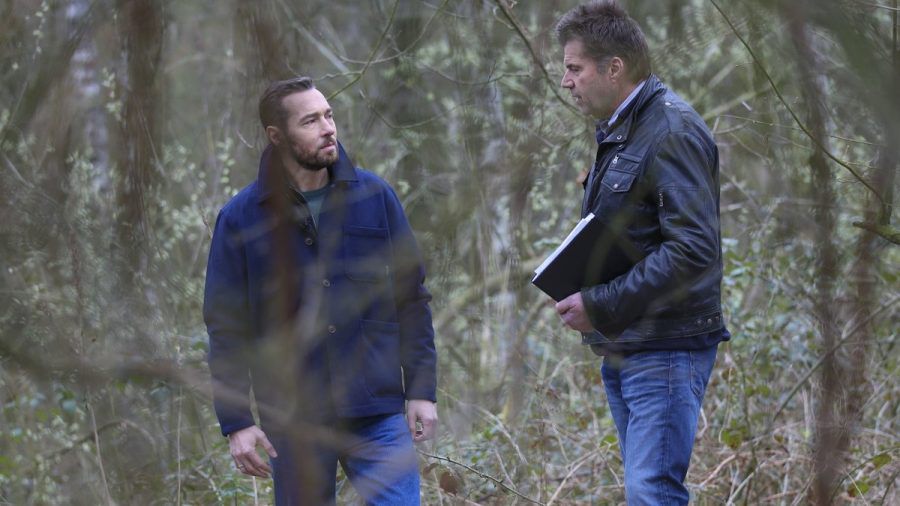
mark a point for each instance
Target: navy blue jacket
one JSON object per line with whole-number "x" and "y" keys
{"x": 655, "y": 187}
{"x": 322, "y": 321}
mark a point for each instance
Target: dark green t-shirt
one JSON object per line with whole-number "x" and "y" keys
{"x": 314, "y": 200}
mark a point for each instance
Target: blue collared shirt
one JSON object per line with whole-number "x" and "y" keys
{"x": 603, "y": 126}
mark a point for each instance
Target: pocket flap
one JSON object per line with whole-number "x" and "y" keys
{"x": 375, "y": 327}
{"x": 617, "y": 181}
{"x": 365, "y": 231}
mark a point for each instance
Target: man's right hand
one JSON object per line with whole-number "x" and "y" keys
{"x": 243, "y": 445}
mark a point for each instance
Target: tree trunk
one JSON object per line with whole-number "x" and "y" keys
{"x": 142, "y": 29}
{"x": 830, "y": 442}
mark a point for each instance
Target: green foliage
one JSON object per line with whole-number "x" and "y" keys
{"x": 102, "y": 358}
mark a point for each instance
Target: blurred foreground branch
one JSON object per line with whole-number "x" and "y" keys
{"x": 100, "y": 373}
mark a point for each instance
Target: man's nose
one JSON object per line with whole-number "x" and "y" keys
{"x": 566, "y": 82}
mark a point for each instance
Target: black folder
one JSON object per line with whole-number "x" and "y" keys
{"x": 566, "y": 270}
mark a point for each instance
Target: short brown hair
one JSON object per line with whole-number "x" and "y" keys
{"x": 606, "y": 30}
{"x": 271, "y": 110}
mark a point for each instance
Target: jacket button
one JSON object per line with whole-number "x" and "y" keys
{"x": 326, "y": 283}
{"x": 309, "y": 241}
{"x": 616, "y": 185}
{"x": 669, "y": 103}
{"x": 618, "y": 137}
{"x": 332, "y": 329}
{"x": 699, "y": 322}
{"x": 709, "y": 322}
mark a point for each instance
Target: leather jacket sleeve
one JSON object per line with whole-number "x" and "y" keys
{"x": 683, "y": 175}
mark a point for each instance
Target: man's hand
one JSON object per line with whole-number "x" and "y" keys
{"x": 424, "y": 412}
{"x": 571, "y": 310}
{"x": 243, "y": 445}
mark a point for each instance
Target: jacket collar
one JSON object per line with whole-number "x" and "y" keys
{"x": 620, "y": 132}
{"x": 269, "y": 180}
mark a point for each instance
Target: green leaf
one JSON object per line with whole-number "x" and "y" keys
{"x": 733, "y": 437}
{"x": 858, "y": 488}
{"x": 881, "y": 460}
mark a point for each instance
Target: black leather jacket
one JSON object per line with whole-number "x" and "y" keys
{"x": 655, "y": 185}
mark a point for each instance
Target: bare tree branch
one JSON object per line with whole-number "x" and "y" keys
{"x": 790, "y": 110}
{"x": 812, "y": 370}
{"x": 488, "y": 477}
{"x": 371, "y": 57}
{"x": 507, "y": 12}
{"x": 887, "y": 232}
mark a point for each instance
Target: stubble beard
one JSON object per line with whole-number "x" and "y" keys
{"x": 315, "y": 161}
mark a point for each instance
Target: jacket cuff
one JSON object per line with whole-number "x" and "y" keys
{"x": 235, "y": 425}
{"x": 424, "y": 396}
{"x": 420, "y": 390}
{"x": 594, "y": 299}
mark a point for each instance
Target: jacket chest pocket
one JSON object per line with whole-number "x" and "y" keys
{"x": 618, "y": 180}
{"x": 366, "y": 253}
{"x": 615, "y": 181}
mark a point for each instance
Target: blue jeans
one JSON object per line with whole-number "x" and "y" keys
{"x": 654, "y": 398}
{"x": 378, "y": 457}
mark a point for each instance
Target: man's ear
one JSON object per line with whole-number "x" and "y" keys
{"x": 274, "y": 134}
{"x": 616, "y": 69}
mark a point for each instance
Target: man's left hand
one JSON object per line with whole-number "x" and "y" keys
{"x": 424, "y": 412}
{"x": 571, "y": 310}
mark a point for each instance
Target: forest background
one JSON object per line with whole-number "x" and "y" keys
{"x": 126, "y": 124}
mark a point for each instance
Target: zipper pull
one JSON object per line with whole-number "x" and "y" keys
{"x": 615, "y": 159}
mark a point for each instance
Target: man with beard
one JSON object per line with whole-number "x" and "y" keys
{"x": 315, "y": 300}
{"x": 650, "y": 302}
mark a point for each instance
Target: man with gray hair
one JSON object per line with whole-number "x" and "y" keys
{"x": 650, "y": 303}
